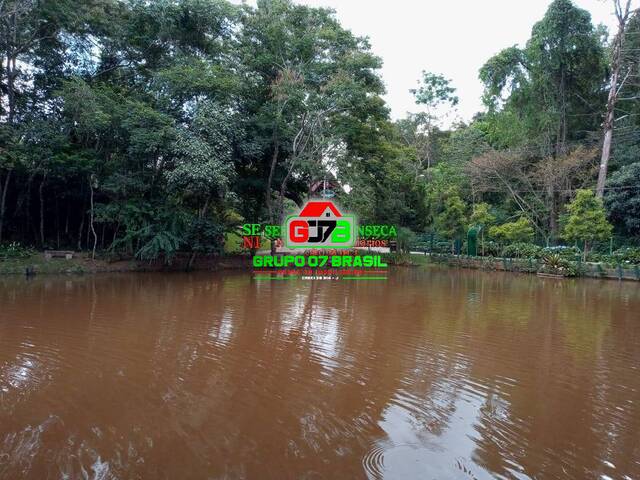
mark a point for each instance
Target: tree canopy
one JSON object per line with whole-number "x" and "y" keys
{"x": 151, "y": 127}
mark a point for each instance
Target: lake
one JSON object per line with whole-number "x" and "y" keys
{"x": 433, "y": 374}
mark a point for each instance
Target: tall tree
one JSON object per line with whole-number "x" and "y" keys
{"x": 553, "y": 85}
{"x": 616, "y": 82}
{"x": 434, "y": 92}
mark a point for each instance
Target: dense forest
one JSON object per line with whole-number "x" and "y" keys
{"x": 149, "y": 128}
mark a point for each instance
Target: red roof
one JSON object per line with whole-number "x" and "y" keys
{"x": 316, "y": 209}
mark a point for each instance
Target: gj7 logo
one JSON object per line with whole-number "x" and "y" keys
{"x": 320, "y": 225}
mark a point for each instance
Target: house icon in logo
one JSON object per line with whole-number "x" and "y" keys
{"x": 320, "y": 209}
{"x": 320, "y": 224}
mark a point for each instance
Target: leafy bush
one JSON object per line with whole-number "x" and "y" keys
{"x": 519, "y": 231}
{"x": 556, "y": 264}
{"x": 569, "y": 253}
{"x": 204, "y": 236}
{"x": 521, "y": 250}
{"x": 406, "y": 239}
{"x": 158, "y": 244}
{"x": 14, "y": 250}
{"x": 597, "y": 257}
{"x": 442, "y": 247}
{"x": 629, "y": 255}
{"x": 491, "y": 249}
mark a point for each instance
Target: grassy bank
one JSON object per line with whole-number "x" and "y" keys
{"x": 36, "y": 263}
{"x": 82, "y": 263}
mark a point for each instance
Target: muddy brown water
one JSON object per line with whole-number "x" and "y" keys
{"x": 433, "y": 374}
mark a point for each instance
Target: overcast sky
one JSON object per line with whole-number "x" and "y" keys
{"x": 453, "y": 38}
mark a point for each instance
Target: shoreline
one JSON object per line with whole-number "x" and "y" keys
{"x": 531, "y": 266}
{"x": 81, "y": 264}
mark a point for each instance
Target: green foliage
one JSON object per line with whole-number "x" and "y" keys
{"x": 566, "y": 252}
{"x": 14, "y": 250}
{"x": 177, "y": 110}
{"x": 161, "y": 125}
{"x": 586, "y": 219}
{"x": 492, "y": 249}
{"x": 156, "y": 244}
{"x": 547, "y": 91}
{"x": 205, "y": 235}
{"x": 555, "y": 264}
{"x": 629, "y": 255}
{"x": 622, "y": 199}
{"x": 406, "y": 240}
{"x": 443, "y": 180}
{"x": 522, "y": 250}
{"x": 435, "y": 90}
{"x": 482, "y": 215}
{"x": 400, "y": 259}
{"x": 451, "y": 222}
{"x": 203, "y": 155}
{"x": 519, "y": 231}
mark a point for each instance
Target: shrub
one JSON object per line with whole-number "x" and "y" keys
{"x": 14, "y": 250}
{"x": 569, "y": 253}
{"x": 406, "y": 239}
{"x": 629, "y": 255}
{"x": 558, "y": 265}
{"x": 519, "y": 231}
{"x": 491, "y": 249}
{"x": 442, "y": 247}
{"x": 520, "y": 250}
{"x": 599, "y": 257}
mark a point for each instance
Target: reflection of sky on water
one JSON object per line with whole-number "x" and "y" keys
{"x": 20, "y": 374}
{"x": 221, "y": 332}
{"x": 316, "y": 322}
{"x": 25, "y": 374}
{"x": 409, "y": 448}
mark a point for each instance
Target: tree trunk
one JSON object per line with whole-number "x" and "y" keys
{"x": 584, "y": 251}
{"x": 66, "y": 224}
{"x": 553, "y": 213}
{"x": 11, "y": 76}
{"x": 201, "y": 214}
{"x": 57, "y": 224}
{"x": 93, "y": 230}
{"x": 609, "y": 119}
{"x": 44, "y": 179}
{"x": 608, "y": 133}
{"x": 3, "y": 200}
{"x": 272, "y": 170}
{"x": 283, "y": 189}
{"x": 84, "y": 203}
{"x": 115, "y": 235}
{"x": 561, "y": 139}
